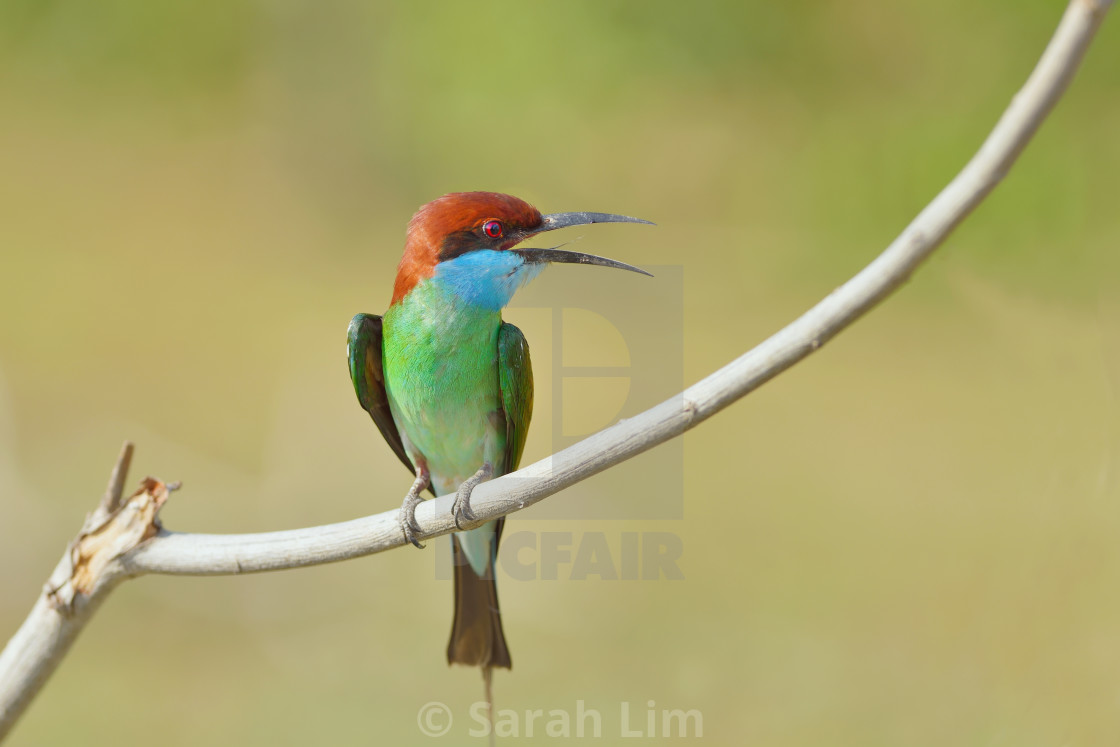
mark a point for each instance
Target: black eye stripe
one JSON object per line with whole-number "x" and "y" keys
{"x": 478, "y": 239}
{"x": 458, "y": 243}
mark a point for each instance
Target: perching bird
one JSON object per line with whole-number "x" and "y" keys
{"x": 449, "y": 384}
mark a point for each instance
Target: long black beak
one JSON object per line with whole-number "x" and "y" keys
{"x": 564, "y": 220}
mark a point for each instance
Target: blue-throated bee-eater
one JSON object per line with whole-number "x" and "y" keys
{"x": 449, "y": 384}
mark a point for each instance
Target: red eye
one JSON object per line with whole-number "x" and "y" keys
{"x": 493, "y": 229}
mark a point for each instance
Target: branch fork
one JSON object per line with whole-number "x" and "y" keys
{"x": 109, "y": 533}
{"x": 89, "y": 569}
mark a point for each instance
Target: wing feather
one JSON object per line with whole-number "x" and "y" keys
{"x": 515, "y": 375}
{"x": 363, "y": 353}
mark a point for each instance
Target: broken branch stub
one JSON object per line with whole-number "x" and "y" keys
{"x": 88, "y": 570}
{"x": 103, "y": 539}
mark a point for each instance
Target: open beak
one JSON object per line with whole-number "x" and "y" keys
{"x": 564, "y": 220}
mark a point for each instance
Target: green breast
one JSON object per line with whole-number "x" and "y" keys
{"x": 441, "y": 375}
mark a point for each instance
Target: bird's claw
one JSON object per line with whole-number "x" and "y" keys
{"x": 462, "y": 511}
{"x": 409, "y": 527}
{"x": 461, "y": 508}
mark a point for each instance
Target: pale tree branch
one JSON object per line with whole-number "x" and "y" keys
{"x": 117, "y": 541}
{"x": 200, "y": 554}
{"x": 84, "y": 576}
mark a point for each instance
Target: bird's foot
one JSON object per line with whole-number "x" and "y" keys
{"x": 409, "y": 527}
{"x": 461, "y": 508}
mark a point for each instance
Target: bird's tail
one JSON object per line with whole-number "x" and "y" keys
{"x": 477, "y": 639}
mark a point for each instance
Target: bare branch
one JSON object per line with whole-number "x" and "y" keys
{"x": 108, "y": 548}
{"x": 87, "y": 572}
{"x": 202, "y": 554}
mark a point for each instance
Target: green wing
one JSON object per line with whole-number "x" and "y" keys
{"x": 515, "y": 375}
{"x": 363, "y": 353}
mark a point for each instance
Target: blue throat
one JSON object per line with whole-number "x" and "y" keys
{"x": 486, "y": 278}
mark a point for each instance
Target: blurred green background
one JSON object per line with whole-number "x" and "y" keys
{"x": 909, "y": 539}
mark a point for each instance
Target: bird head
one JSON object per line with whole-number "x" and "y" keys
{"x": 468, "y": 240}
